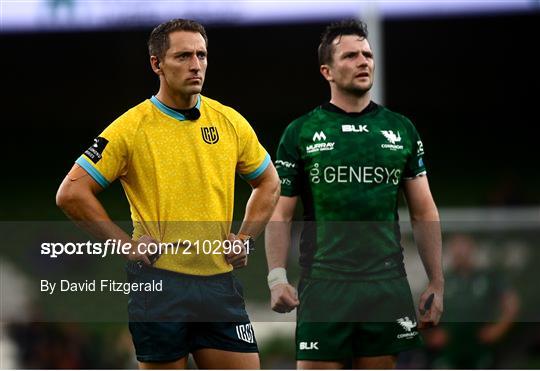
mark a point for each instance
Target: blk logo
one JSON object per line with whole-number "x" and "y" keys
{"x": 210, "y": 134}
{"x": 312, "y": 345}
{"x": 354, "y": 129}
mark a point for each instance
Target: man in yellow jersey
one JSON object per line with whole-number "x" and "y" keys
{"x": 176, "y": 155}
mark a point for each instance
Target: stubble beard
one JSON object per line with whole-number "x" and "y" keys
{"x": 190, "y": 89}
{"x": 358, "y": 91}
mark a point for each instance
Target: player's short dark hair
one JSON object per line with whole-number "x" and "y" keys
{"x": 338, "y": 29}
{"x": 158, "y": 42}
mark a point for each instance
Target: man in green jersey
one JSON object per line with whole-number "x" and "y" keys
{"x": 347, "y": 161}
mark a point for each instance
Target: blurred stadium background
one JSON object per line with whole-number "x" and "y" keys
{"x": 465, "y": 73}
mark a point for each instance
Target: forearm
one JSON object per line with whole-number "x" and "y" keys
{"x": 88, "y": 213}
{"x": 277, "y": 241}
{"x": 427, "y": 234}
{"x": 259, "y": 208}
{"x": 509, "y": 309}
{"x": 493, "y": 332}
{"x": 284, "y": 297}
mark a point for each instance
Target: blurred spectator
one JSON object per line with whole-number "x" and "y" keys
{"x": 479, "y": 310}
{"x": 50, "y": 345}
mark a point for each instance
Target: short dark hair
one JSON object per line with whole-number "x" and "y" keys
{"x": 347, "y": 27}
{"x": 158, "y": 42}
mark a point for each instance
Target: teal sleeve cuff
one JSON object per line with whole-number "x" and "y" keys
{"x": 96, "y": 175}
{"x": 262, "y": 167}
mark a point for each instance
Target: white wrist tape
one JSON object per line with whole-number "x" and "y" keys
{"x": 277, "y": 276}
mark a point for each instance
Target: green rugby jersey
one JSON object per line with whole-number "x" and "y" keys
{"x": 348, "y": 168}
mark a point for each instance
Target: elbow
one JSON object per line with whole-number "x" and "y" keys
{"x": 65, "y": 196}
{"x": 425, "y": 217}
{"x": 428, "y": 213}
{"x": 62, "y": 198}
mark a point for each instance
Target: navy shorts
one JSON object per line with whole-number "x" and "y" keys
{"x": 186, "y": 313}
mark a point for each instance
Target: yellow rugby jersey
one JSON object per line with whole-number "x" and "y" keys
{"x": 178, "y": 175}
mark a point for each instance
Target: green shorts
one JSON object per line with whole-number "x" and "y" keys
{"x": 339, "y": 320}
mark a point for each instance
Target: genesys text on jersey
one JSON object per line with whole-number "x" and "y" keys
{"x": 354, "y": 174}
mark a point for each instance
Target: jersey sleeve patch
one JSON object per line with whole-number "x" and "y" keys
{"x": 95, "y": 152}
{"x": 415, "y": 163}
{"x": 92, "y": 171}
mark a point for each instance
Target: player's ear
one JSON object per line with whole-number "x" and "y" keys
{"x": 155, "y": 64}
{"x": 326, "y": 72}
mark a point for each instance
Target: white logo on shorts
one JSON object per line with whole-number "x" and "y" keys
{"x": 408, "y": 325}
{"x": 313, "y": 345}
{"x": 245, "y": 333}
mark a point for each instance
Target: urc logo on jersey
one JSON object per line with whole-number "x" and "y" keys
{"x": 210, "y": 134}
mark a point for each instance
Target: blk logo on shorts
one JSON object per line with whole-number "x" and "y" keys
{"x": 245, "y": 333}
{"x": 312, "y": 345}
{"x": 210, "y": 134}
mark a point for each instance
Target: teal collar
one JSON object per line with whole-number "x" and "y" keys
{"x": 170, "y": 112}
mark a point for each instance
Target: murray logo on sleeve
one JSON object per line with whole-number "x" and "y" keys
{"x": 319, "y": 136}
{"x": 392, "y": 138}
{"x": 95, "y": 151}
{"x": 210, "y": 134}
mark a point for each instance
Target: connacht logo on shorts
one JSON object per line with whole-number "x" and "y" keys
{"x": 408, "y": 325}
{"x": 210, "y": 134}
{"x": 96, "y": 150}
